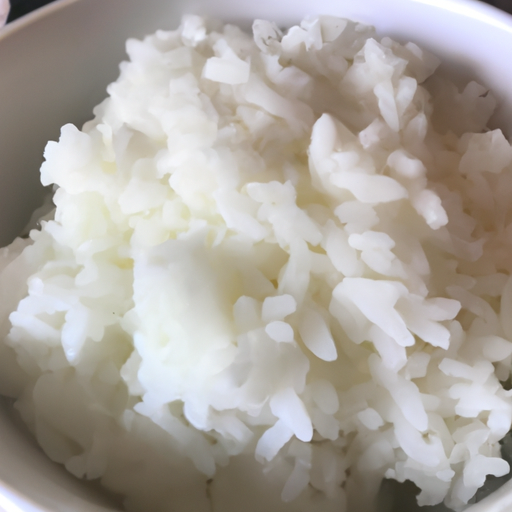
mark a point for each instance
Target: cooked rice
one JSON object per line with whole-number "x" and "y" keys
{"x": 277, "y": 272}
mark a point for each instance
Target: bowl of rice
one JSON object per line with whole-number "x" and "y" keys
{"x": 263, "y": 263}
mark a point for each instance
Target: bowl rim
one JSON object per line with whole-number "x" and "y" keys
{"x": 41, "y": 12}
{"x": 11, "y": 498}
{"x": 476, "y": 9}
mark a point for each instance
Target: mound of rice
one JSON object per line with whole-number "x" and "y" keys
{"x": 277, "y": 272}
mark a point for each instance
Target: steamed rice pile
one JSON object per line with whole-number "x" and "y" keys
{"x": 278, "y": 271}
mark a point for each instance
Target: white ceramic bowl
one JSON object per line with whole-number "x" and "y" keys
{"x": 54, "y": 66}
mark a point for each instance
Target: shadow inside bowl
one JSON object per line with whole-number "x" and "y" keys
{"x": 34, "y": 481}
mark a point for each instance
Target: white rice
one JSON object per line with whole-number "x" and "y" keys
{"x": 278, "y": 271}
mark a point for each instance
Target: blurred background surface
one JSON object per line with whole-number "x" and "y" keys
{"x": 22, "y": 7}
